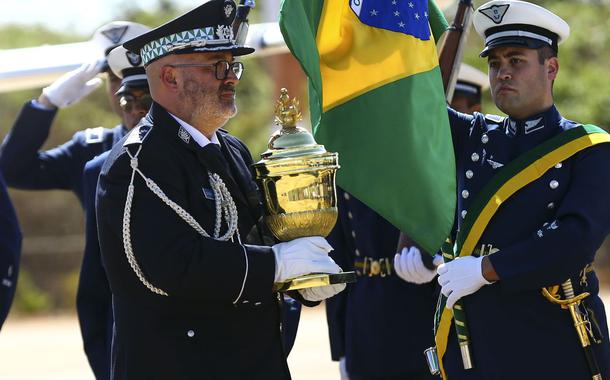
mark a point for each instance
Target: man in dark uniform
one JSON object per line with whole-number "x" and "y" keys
{"x": 10, "y": 250}
{"x": 62, "y": 167}
{"x": 532, "y": 210}
{"x": 176, "y": 209}
{"x": 94, "y": 299}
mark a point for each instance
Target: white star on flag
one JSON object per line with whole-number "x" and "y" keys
{"x": 393, "y": 2}
{"x": 374, "y": 12}
{"x": 417, "y": 16}
{"x": 396, "y": 13}
{"x": 410, "y": 5}
{"x": 401, "y": 24}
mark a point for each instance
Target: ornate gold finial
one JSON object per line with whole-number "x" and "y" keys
{"x": 287, "y": 112}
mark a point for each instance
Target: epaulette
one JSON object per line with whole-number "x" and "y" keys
{"x": 94, "y": 135}
{"x": 137, "y": 135}
{"x": 494, "y": 118}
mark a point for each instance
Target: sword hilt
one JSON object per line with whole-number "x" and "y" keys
{"x": 572, "y": 303}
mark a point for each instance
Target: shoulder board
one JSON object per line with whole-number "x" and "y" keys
{"x": 137, "y": 135}
{"x": 494, "y": 118}
{"x": 94, "y": 135}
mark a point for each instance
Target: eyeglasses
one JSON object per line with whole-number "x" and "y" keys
{"x": 129, "y": 101}
{"x": 221, "y": 68}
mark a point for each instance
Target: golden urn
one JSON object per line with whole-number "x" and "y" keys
{"x": 297, "y": 178}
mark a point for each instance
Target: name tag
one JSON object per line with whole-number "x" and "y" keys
{"x": 208, "y": 193}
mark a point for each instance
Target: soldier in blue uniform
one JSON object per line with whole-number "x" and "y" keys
{"x": 62, "y": 167}
{"x": 532, "y": 211}
{"x": 363, "y": 319}
{"x": 94, "y": 299}
{"x": 375, "y": 324}
{"x": 10, "y": 250}
{"x": 179, "y": 218}
{"x": 24, "y": 165}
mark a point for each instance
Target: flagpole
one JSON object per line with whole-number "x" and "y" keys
{"x": 450, "y": 58}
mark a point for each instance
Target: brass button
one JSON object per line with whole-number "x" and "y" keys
{"x": 474, "y": 157}
{"x": 464, "y": 212}
{"x": 484, "y": 138}
{"x": 554, "y": 184}
{"x": 346, "y": 196}
{"x": 190, "y": 333}
{"x": 465, "y": 194}
{"x": 469, "y": 174}
{"x": 375, "y": 268}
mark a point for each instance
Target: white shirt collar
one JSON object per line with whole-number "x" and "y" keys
{"x": 195, "y": 134}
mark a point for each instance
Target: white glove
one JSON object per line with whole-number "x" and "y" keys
{"x": 409, "y": 266}
{"x": 320, "y": 293}
{"x": 303, "y": 256}
{"x": 461, "y": 277}
{"x": 343, "y": 369}
{"x": 74, "y": 85}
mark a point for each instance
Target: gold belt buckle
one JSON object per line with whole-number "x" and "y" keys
{"x": 375, "y": 268}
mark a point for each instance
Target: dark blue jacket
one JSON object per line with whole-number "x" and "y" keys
{"x": 10, "y": 250}
{"x": 196, "y": 330}
{"x": 546, "y": 233}
{"x": 382, "y": 325}
{"x": 94, "y": 299}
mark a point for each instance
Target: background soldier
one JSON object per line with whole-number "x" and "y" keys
{"x": 94, "y": 299}
{"x": 26, "y": 167}
{"x": 542, "y": 235}
{"x": 469, "y": 89}
{"x": 190, "y": 297}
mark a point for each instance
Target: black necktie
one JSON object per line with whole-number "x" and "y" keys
{"x": 215, "y": 161}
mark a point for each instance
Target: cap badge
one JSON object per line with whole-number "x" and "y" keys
{"x": 229, "y": 8}
{"x": 496, "y": 12}
{"x": 115, "y": 34}
{"x": 224, "y": 32}
{"x": 133, "y": 58}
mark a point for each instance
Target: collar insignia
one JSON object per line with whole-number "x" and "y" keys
{"x": 184, "y": 135}
{"x": 533, "y": 125}
{"x": 494, "y": 164}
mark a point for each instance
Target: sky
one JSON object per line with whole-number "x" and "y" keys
{"x": 81, "y": 16}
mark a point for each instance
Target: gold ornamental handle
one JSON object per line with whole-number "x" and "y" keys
{"x": 315, "y": 279}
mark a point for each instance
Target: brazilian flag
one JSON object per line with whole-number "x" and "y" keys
{"x": 376, "y": 98}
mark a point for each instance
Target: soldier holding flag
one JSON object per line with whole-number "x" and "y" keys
{"x": 533, "y": 208}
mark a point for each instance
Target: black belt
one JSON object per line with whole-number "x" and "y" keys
{"x": 368, "y": 266}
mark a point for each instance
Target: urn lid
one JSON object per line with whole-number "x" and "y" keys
{"x": 291, "y": 140}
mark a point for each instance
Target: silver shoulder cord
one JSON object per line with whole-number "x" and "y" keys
{"x": 225, "y": 206}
